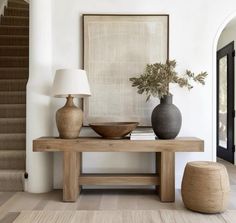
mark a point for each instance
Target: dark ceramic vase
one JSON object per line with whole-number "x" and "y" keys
{"x": 166, "y": 119}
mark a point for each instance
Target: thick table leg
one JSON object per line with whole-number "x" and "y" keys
{"x": 166, "y": 171}
{"x": 71, "y": 171}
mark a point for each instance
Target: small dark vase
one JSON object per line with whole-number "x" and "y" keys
{"x": 166, "y": 119}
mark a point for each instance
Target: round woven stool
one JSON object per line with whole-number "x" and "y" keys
{"x": 205, "y": 187}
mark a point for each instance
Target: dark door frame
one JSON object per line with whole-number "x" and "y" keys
{"x": 227, "y": 154}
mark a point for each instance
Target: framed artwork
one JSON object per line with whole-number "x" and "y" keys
{"x": 115, "y": 48}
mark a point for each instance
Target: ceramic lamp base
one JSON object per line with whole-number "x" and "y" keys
{"x": 69, "y": 120}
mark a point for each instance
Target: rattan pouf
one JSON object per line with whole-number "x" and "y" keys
{"x": 205, "y": 187}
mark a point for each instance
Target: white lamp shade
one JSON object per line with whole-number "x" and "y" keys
{"x": 70, "y": 82}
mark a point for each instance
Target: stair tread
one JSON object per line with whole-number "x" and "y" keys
{"x": 12, "y": 105}
{"x": 13, "y": 81}
{"x": 14, "y": 30}
{"x": 16, "y": 40}
{"x": 15, "y": 36}
{"x": 13, "y": 85}
{"x": 13, "y": 27}
{"x": 15, "y": 69}
{"x": 17, "y": 5}
{"x": 14, "y": 47}
{"x": 12, "y": 125}
{"x": 20, "y": 2}
{"x": 15, "y": 20}
{"x": 12, "y": 159}
{"x": 12, "y": 153}
{"x": 14, "y": 73}
{"x": 14, "y": 8}
{"x": 11, "y": 119}
{"x": 14, "y": 57}
{"x": 18, "y": 172}
{"x": 9, "y": 11}
{"x": 12, "y": 180}
{"x": 15, "y": 17}
{"x": 12, "y": 135}
{"x": 12, "y": 141}
{"x": 12, "y": 110}
{"x": 12, "y": 92}
{"x": 12, "y": 97}
{"x": 14, "y": 61}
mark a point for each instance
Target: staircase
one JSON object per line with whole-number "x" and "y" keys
{"x": 14, "y": 69}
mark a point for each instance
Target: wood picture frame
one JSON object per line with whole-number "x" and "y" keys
{"x": 115, "y": 48}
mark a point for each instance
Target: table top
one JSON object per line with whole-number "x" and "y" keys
{"x": 98, "y": 144}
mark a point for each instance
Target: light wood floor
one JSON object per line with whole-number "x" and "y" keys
{"x": 122, "y": 216}
{"x": 12, "y": 203}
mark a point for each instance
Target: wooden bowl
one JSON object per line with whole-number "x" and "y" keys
{"x": 113, "y": 130}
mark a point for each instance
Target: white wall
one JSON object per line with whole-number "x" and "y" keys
{"x": 194, "y": 28}
{"x": 228, "y": 35}
{"x": 38, "y": 111}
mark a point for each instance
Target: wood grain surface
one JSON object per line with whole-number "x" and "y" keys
{"x": 165, "y": 149}
{"x": 119, "y": 179}
{"x": 166, "y": 170}
{"x": 97, "y": 144}
{"x": 71, "y": 172}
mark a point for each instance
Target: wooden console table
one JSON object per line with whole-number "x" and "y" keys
{"x": 74, "y": 179}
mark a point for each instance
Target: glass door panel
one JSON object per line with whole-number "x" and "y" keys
{"x": 222, "y": 125}
{"x": 225, "y": 102}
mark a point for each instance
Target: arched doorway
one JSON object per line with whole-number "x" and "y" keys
{"x": 223, "y": 90}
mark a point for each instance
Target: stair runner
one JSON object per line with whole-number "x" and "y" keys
{"x": 14, "y": 64}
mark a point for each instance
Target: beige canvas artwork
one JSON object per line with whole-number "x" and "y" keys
{"x": 117, "y": 47}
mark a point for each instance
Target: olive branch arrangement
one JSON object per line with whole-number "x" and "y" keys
{"x": 156, "y": 79}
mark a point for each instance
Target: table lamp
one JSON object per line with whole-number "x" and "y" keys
{"x": 70, "y": 83}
